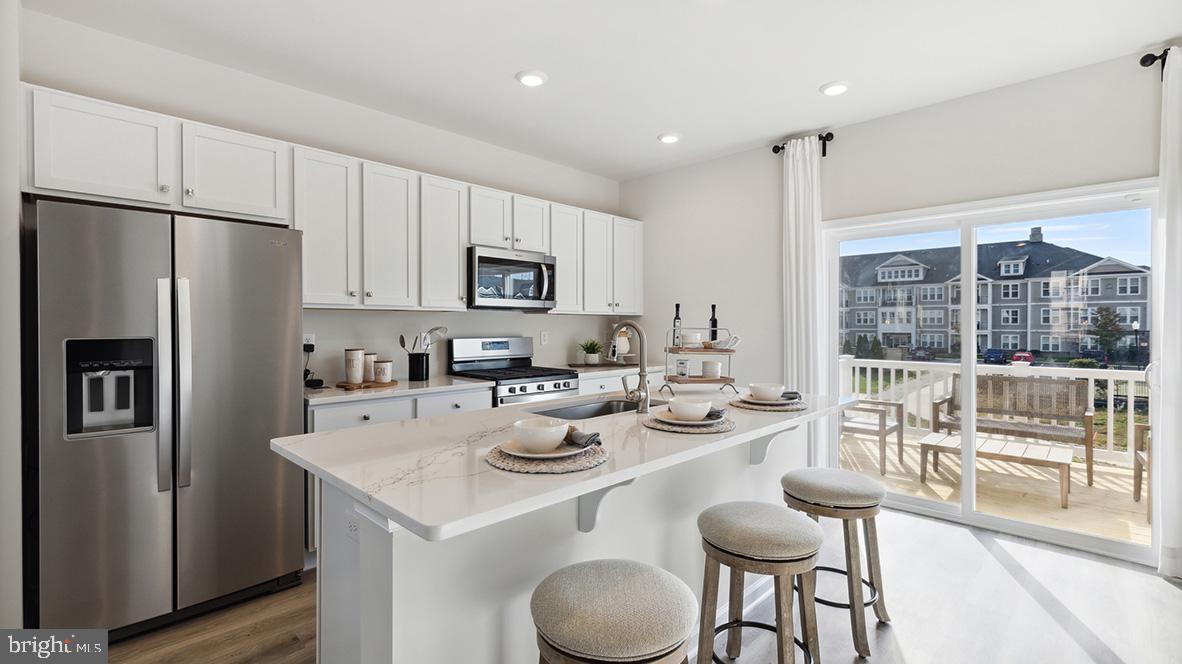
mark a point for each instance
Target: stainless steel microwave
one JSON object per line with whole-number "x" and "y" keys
{"x": 507, "y": 279}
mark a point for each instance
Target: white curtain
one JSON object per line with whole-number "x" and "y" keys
{"x": 802, "y": 255}
{"x": 1167, "y": 453}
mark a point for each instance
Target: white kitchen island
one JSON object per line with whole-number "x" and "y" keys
{"x": 428, "y": 554}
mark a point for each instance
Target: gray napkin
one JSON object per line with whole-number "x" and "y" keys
{"x": 715, "y": 414}
{"x": 581, "y": 438}
{"x": 790, "y": 395}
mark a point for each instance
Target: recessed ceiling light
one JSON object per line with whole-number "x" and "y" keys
{"x": 834, "y": 88}
{"x": 531, "y": 78}
{"x": 668, "y": 139}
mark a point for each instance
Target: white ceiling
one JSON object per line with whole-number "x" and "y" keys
{"x": 725, "y": 74}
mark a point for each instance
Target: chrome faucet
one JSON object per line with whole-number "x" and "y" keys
{"x": 640, "y": 394}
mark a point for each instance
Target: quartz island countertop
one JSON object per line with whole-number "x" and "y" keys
{"x": 430, "y": 477}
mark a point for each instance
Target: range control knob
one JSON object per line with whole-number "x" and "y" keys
{"x": 512, "y": 390}
{"x": 557, "y": 386}
{"x": 541, "y": 387}
{"x": 566, "y": 384}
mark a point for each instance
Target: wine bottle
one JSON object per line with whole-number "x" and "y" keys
{"x": 714, "y": 322}
{"x": 677, "y": 325}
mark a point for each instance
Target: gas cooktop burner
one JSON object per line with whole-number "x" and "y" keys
{"x": 513, "y": 374}
{"x": 508, "y": 361}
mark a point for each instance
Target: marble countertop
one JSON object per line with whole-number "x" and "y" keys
{"x": 430, "y": 477}
{"x": 404, "y": 388}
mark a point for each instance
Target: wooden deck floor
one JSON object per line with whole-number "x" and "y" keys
{"x": 1013, "y": 490}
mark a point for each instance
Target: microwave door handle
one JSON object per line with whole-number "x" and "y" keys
{"x": 164, "y": 384}
{"x": 545, "y": 282}
{"x": 184, "y": 342}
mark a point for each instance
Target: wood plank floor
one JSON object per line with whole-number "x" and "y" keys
{"x": 1013, "y": 490}
{"x": 274, "y": 629}
{"x": 955, "y": 594}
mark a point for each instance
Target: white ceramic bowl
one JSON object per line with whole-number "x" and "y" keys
{"x": 766, "y": 391}
{"x": 691, "y": 338}
{"x": 538, "y": 435}
{"x": 689, "y": 409}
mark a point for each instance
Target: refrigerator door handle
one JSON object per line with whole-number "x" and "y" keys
{"x": 164, "y": 384}
{"x": 184, "y": 342}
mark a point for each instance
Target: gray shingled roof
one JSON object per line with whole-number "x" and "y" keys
{"x": 1043, "y": 258}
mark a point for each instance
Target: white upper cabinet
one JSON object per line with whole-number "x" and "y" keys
{"x": 390, "y": 222}
{"x": 443, "y": 240}
{"x": 597, "y": 263}
{"x": 234, "y": 172}
{"x": 93, "y": 147}
{"x": 328, "y": 211}
{"x": 627, "y": 257}
{"x": 491, "y": 217}
{"x": 531, "y": 224}
{"x": 566, "y": 244}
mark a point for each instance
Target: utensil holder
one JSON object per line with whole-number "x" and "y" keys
{"x": 418, "y": 365}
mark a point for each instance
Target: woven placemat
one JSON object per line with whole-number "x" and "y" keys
{"x": 722, "y": 426}
{"x": 592, "y": 457}
{"x": 794, "y": 407}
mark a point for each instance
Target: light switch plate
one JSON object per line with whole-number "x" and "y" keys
{"x": 309, "y": 338}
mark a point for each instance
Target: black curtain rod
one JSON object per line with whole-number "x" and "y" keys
{"x": 824, "y": 138}
{"x": 1149, "y": 59}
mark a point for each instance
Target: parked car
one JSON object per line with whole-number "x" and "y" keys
{"x": 1023, "y": 356}
{"x": 921, "y": 355}
{"x": 994, "y": 356}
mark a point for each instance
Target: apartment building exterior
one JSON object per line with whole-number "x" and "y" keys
{"x": 1031, "y": 295}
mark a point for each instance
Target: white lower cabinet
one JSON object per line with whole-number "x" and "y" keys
{"x": 446, "y": 404}
{"x": 328, "y": 211}
{"x": 375, "y": 411}
{"x": 593, "y": 383}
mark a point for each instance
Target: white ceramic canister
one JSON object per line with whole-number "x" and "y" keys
{"x": 354, "y": 365}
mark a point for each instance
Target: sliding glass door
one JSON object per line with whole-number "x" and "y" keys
{"x": 1019, "y": 400}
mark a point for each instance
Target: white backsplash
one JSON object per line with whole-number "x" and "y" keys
{"x": 378, "y": 331}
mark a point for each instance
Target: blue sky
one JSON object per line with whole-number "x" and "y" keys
{"x": 1123, "y": 234}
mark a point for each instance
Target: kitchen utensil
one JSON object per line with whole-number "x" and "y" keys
{"x": 766, "y": 391}
{"x": 415, "y": 344}
{"x": 354, "y": 365}
{"x": 435, "y": 334}
{"x": 689, "y": 409}
{"x": 539, "y": 435}
{"x": 402, "y": 342}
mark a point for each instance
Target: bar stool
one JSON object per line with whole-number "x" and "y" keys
{"x": 759, "y": 538}
{"x": 604, "y": 611}
{"x": 849, "y": 496}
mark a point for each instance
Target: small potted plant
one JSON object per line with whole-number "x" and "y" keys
{"x": 591, "y": 349}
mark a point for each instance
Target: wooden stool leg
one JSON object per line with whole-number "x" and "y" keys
{"x": 870, "y": 526}
{"x": 853, "y": 566}
{"x": 785, "y": 646}
{"x": 882, "y": 445}
{"x": 734, "y": 637}
{"x": 1136, "y": 480}
{"x": 709, "y": 608}
{"x": 542, "y": 659}
{"x": 923, "y": 465}
{"x": 808, "y": 613}
{"x": 1064, "y": 479}
{"x": 935, "y": 461}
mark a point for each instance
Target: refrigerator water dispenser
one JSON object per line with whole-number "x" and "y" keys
{"x": 108, "y": 386}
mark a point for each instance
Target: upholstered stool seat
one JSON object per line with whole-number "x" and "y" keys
{"x": 613, "y": 611}
{"x": 762, "y": 531}
{"x": 759, "y": 538}
{"x": 851, "y": 497}
{"x": 832, "y": 487}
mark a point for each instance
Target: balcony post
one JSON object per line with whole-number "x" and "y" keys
{"x": 845, "y": 379}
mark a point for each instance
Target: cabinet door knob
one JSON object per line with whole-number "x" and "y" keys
{"x": 455, "y": 405}
{"x": 369, "y": 293}
{"x": 189, "y": 191}
{"x": 506, "y": 238}
{"x": 463, "y": 299}
{"x": 165, "y": 188}
{"x": 365, "y": 417}
{"x": 352, "y": 293}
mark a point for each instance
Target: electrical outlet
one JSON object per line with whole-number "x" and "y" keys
{"x": 544, "y": 337}
{"x": 352, "y": 526}
{"x": 309, "y": 338}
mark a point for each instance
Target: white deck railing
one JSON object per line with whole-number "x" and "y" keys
{"x": 918, "y": 384}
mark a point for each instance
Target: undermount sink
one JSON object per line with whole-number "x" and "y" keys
{"x": 585, "y": 411}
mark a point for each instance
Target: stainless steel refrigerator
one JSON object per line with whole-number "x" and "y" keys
{"x": 162, "y": 354}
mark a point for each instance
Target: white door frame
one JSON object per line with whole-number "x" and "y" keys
{"x": 967, "y": 217}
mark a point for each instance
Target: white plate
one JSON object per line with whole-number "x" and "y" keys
{"x": 665, "y": 415}
{"x": 760, "y": 402}
{"x": 565, "y": 450}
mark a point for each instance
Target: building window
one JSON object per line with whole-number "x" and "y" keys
{"x": 1093, "y": 286}
{"x": 1010, "y": 291}
{"x": 1050, "y": 344}
{"x": 1052, "y": 289}
{"x": 1009, "y": 342}
{"x": 931, "y": 293}
{"x": 1128, "y": 315}
{"x": 896, "y": 317}
{"x": 931, "y": 340}
{"x": 1127, "y": 341}
{"x": 1052, "y": 316}
{"x": 900, "y": 274}
{"x": 933, "y": 317}
{"x": 1009, "y": 316}
{"x": 864, "y": 296}
{"x": 1012, "y": 268}
{"x": 1087, "y": 316}
{"x": 864, "y": 317}
{"x": 1089, "y": 342}
{"x": 1128, "y": 286}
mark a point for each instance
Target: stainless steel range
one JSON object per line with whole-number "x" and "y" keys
{"x": 509, "y": 362}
